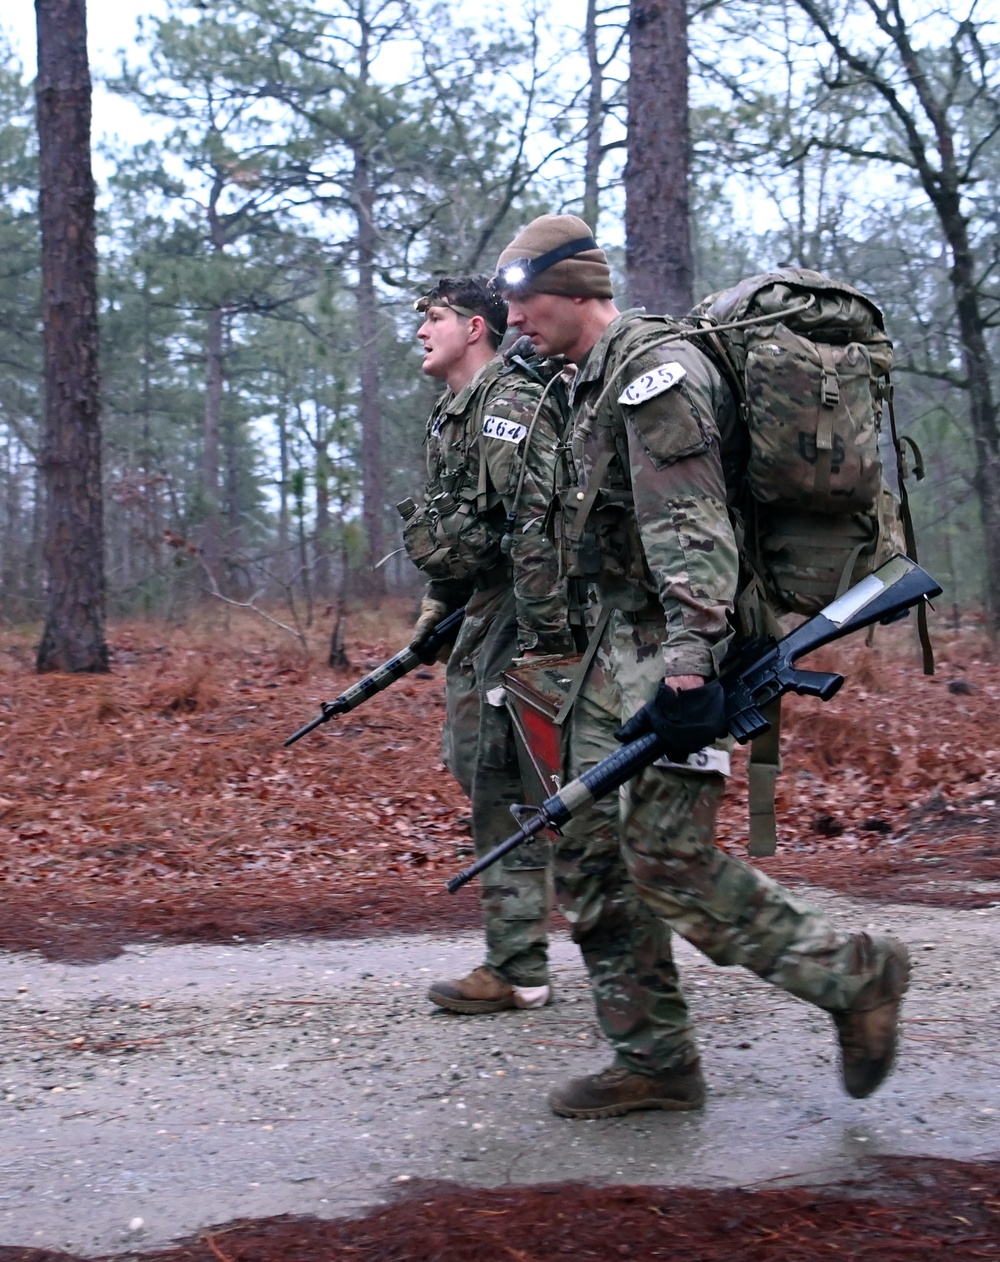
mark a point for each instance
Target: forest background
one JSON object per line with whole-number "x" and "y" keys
{"x": 304, "y": 170}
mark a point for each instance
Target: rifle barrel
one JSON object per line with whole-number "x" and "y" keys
{"x": 304, "y": 731}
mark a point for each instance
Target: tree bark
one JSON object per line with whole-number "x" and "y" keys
{"x": 321, "y": 544}
{"x": 595, "y": 120}
{"x": 284, "y": 564}
{"x": 370, "y": 408}
{"x": 982, "y": 405}
{"x": 657, "y": 231}
{"x": 211, "y": 544}
{"x": 370, "y": 411}
{"x": 73, "y": 636}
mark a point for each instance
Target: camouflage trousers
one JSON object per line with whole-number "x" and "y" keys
{"x": 652, "y": 868}
{"x": 478, "y": 749}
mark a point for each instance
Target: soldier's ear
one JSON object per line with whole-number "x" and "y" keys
{"x": 477, "y": 329}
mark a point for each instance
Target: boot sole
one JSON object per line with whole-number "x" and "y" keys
{"x": 470, "y": 1007}
{"x": 619, "y": 1110}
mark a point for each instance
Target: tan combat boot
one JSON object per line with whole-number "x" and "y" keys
{"x": 868, "y": 1037}
{"x": 618, "y": 1090}
{"x": 485, "y": 991}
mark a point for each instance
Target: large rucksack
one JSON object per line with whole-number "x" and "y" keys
{"x": 822, "y": 500}
{"x": 808, "y": 360}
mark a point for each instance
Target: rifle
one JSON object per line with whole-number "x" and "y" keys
{"x": 760, "y": 672}
{"x": 380, "y": 678}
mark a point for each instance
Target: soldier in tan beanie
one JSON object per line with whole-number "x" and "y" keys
{"x": 556, "y": 254}
{"x": 643, "y": 518}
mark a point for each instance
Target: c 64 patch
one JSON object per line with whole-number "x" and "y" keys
{"x": 500, "y": 427}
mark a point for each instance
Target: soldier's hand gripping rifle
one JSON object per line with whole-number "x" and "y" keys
{"x": 380, "y": 678}
{"x": 762, "y": 671}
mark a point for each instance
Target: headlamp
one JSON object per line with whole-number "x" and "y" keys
{"x": 513, "y": 274}
{"x": 519, "y": 273}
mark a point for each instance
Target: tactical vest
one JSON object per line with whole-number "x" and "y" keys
{"x": 459, "y": 531}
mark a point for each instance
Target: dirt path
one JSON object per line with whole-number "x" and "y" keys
{"x": 191, "y": 1085}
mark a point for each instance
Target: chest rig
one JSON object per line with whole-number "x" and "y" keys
{"x": 456, "y": 532}
{"x": 461, "y": 529}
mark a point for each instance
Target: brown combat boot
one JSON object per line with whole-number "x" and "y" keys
{"x": 617, "y": 1090}
{"x": 485, "y": 991}
{"x": 868, "y": 1037}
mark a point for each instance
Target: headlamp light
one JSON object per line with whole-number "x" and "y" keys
{"x": 519, "y": 273}
{"x": 513, "y": 274}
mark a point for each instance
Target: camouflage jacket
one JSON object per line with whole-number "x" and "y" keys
{"x": 475, "y": 452}
{"x": 644, "y": 512}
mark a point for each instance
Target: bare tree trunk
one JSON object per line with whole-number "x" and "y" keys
{"x": 214, "y": 349}
{"x": 299, "y": 484}
{"x": 372, "y": 464}
{"x": 150, "y": 482}
{"x": 595, "y": 120}
{"x": 12, "y": 567}
{"x": 987, "y": 477}
{"x": 337, "y": 658}
{"x": 233, "y": 540}
{"x": 284, "y": 565}
{"x": 73, "y": 637}
{"x": 979, "y": 366}
{"x": 370, "y": 410}
{"x": 657, "y": 232}
{"x": 321, "y": 545}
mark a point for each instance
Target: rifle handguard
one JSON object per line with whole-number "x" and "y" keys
{"x": 386, "y": 674}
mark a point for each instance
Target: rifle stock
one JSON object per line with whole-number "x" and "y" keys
{"x": 760, "y": 672}
{"x": 383, "y": 676}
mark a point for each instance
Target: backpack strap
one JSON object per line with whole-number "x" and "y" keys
{"x": 764, "y": 769}
{"x": 927, "y": 649}
{"x": 511, "y": 520}
{"x": 708, "y": 340}
{"x": 589, "y": 498}
{"x": 582, "y": 668}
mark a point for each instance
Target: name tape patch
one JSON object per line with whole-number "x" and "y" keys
{"x": 652, "y": 383}
{"x": 707, "y": 759}
{"x": 500, "y": 427}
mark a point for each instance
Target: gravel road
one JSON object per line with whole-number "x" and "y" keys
{"x": 175, "y": 1088}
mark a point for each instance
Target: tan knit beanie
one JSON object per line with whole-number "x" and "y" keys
{"x": 584, "y": 274}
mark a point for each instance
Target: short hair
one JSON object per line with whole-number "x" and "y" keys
{"x": 469, "y": 296}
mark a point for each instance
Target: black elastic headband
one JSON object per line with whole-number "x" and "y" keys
{"x": 519, "y": 272}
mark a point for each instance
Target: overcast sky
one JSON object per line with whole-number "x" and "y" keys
{"x": 111, "y": 26}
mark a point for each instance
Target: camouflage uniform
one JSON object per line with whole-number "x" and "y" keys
{"x": 656, "y": 543}
{"x": 514, "y": 603}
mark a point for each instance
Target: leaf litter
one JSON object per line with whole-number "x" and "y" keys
{"x": 157, "y": 803}
{"x": 897, "y": 1209}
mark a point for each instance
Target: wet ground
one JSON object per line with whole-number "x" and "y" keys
{"x": 151, "y": 1096}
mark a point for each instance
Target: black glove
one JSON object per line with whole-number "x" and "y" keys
{"x": 685, "y": 721}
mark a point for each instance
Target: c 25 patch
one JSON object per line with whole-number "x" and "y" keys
{"x": 501, "y": 427}
{"x": 652, "y": 383}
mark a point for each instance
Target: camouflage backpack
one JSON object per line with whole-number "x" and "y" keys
{"x": 822, "y": 502}
{"x": 808, "y": 361}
